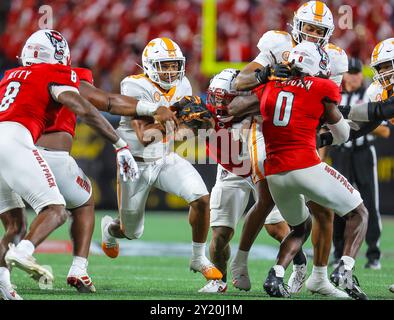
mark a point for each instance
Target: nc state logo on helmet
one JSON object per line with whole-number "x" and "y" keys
{"x": 156, "y": 54}
{"x": 383, "y": 56}
{"x": 310, "y": 58}
{"x": 46, "y": 46}
{"x": 221, "y": 92}
{"x": 317, "y": 14}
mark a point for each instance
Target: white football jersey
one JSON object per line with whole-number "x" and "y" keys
{"x": 375, "y": 92}
{"x": 142, "y": 88}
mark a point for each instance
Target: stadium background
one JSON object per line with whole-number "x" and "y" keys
{"x": 108, "y": 36}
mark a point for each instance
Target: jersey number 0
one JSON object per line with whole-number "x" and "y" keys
{"x": 283, "y": 106}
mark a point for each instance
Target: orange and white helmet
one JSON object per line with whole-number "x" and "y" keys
{"x": 316, "y": 13}
{"x": 46, "y": 46}
{"x": 162, "y": 50}
{"x": 383, "y": 52}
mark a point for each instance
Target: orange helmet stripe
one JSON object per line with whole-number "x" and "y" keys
{"x": 319, "y": 10}
{"x": 375, "y": 52}
{"x": 170, "y": 46}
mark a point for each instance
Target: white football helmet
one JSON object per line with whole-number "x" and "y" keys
{"x": 46, "y": 46}
{"x": 162, "y": 50}
{"x": 316, "y": 13}
{"x": 383, "y": 52}
{"x": 221, "y": 92}
{"x": 310, "y": 58}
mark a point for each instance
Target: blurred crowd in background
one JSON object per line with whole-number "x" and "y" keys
{"x": 108, "y": 36}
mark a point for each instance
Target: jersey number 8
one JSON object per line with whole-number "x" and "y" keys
{"x": 10, "y": 95}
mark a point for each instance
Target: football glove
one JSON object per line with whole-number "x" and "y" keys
{"x": 192, "y": 112}
{"x": 128, "y": 168}
{"x": 278, "y": 71}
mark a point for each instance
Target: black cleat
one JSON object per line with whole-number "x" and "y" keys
{"x": 275, "y": 286}
{"x": 345, "y": 279}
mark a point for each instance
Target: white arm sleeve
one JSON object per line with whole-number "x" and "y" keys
{"x": 57, "y": 90}
{"x": 340, "y": 131}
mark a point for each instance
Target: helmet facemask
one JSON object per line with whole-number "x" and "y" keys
{"x": 159, "y": 72}
{"x": 220, "y": 99}
{"x": 299, "y": 35}
{"x": 386, "y": 78}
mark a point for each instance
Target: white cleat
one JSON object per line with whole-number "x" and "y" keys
{"x": 109, "y": 244}
{"x": 214, "y": 286}
{"x": 297, "y": 278}
{"x": 206, "y": 267}
{"x": 7, "y": 291}
{"x": 325, "y": 288}
{"x": 241, "y": 278}
{"x": 391, "y": 288}
{"x": 17, "y": 258}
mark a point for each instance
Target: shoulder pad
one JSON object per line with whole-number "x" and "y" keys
{"x": 338, "y": 59}
{"x": 279, "y": 43}
{"x": 375, "y": 92}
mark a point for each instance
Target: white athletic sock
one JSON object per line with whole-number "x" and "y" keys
{"x": 79, "y": 266}
{"x": 5, "y": 276}
{"x": 319, "y": 272}
{"x": 241, "y": 257}
{"x": 198, "y": 250}
{"x": 26, "y": 246}
{"x": 348, "y": 261}
{"x": 279, "y": 271}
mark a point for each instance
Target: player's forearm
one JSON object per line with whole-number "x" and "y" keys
{"x": 244, "y": 105}
{"x": 246, "y": 79}
{"x": 371, "y": 111}
{"x": 89, "y": 114}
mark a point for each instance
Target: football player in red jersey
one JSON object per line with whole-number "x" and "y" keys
{"x": 55, "y": 145}
{"x": 292, "y": 111}
{"x": 31, "y": 96}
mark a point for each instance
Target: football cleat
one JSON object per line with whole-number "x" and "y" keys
{"x": 373, "y": 265}
{"x": 207, "y": 268}
{"x": 83, "y": 283}
{"x": 324, "y": 288}
{"x": 7, "y": 292}
{"x": 391, "y": 288}
{"x": 214, "y": 286}
{"x": 346, "y": 280}
{"x": 17, "y": 258}
{"x": 109, "y": 244}
{"x": 241, "y": 278}
{"x": 297, "y": 278}
{"x": 275, "y": 287}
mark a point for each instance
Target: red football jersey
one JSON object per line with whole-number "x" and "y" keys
{"x": 291, "y": 116}
{"x": 25, "y": 96}
{"x": 66, "y": 119}
{"x": 225, "y": 150}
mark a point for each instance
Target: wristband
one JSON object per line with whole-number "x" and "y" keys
{"x": 120, "y": 144}
{"x": 145, "y": 108}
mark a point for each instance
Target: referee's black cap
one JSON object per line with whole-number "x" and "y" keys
{"x": 355, "y": 65}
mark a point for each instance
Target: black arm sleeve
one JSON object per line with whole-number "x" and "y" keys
{"x": 326, "y": 138}
{"x": 381, "y": 110}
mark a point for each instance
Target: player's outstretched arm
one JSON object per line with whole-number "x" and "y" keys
{"x": 88, "y": 114}
{"x": 121, "y": 105}
{"x": 336, "y": 123}
{"x": 246, "y": 79}
{"x": 371, "y": 111}
{"x": 242, "y": 106}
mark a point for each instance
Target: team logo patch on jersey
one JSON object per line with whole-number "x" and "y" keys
{"x": 156, "y": 96}
{"x": 58, "y": 42}
{"x": 378, "y": 97}
{"x": 324, "y": 61}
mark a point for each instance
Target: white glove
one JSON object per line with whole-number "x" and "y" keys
{"x": 128, "y": 168}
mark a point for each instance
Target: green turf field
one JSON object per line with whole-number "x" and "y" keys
{"x": 163, "y": 277}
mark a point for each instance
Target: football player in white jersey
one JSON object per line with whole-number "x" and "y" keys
{"x": 313, "y": 21}
{"x": 164, "y": 82}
